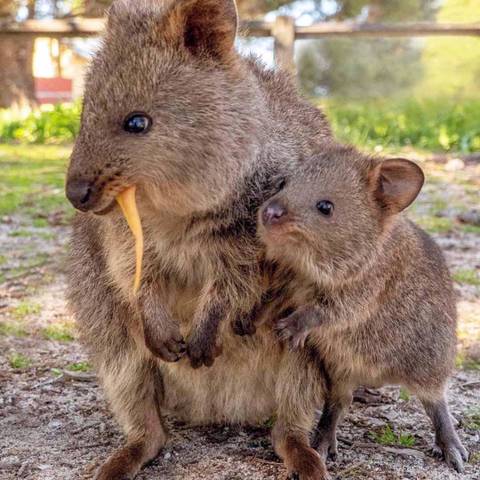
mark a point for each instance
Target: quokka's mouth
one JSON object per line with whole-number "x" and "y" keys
{"x": 107, "y": 209}
{"x": 274, "y": 234}
{"x": 281, "y": 235}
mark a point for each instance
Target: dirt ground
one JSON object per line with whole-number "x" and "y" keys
{"x": 55, "y": 424}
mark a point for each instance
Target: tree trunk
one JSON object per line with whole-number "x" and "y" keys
{"x": 95, "y": 8}
{"x": 257, "y": 8}
{"x": 17, "y": 86}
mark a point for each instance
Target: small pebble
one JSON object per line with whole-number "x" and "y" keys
{"x": 454, "y": 164}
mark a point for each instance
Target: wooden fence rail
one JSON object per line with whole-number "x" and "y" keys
{"x": 284, "y": 31}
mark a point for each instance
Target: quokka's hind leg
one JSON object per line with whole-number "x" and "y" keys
{"x": 447, "y": 442}
{"x": 300, "y": 391}
{"x": 324, "y": 438}
{"x": 134, "y": 391}
{"x": 112, "y": 331}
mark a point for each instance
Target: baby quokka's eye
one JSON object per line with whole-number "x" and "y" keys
{"x": 325, "y": 207}
{"x": 137, "y": 123}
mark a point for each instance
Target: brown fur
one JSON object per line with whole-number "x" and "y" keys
{"x": 373, "y": 294}
{"x": 224, "y": 129}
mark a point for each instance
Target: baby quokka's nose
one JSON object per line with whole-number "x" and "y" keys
{"x": 274, "y": 213}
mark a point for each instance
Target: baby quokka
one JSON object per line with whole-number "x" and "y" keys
{"x": 374, "y": 296}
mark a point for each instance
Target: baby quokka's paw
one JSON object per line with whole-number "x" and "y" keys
{"x": 202, "y": 352}
{"x": 292, "y": 330}
{"x": 244, "y": 326}
{"x": 164, "y": 342}
{"x": 244, "y": 323}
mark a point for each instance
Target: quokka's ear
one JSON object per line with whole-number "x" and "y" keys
{"x": 396, "y": 183}
{"x": 204, "y": 27}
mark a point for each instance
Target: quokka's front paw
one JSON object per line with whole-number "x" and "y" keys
{"x": 292, "y": 331}
{"x": 165, "y": 343}
{"x": 201, "y": 352}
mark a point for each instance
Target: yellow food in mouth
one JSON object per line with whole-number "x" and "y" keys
{"x": 128, "y": 204}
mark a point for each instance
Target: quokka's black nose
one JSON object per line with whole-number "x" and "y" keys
{"x": 81, "y": 194}
{"x": 274, "y": 213}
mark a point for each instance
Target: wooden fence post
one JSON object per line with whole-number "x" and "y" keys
{"x": 283, "y": 32}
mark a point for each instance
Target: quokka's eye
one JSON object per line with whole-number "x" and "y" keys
{"x": 137, "y": 123}
{"x": 325, "y": 207}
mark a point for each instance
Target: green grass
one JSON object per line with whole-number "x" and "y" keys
{"x": 467, "y": 276}
{"x": 60, "y": 332}
{"x": 46, "y": 235}
{"x": 443, "y": 124}
{"x": 472, "y": 419}
{"x": 270, "y": 422}
{"x": 32, "y": 179}
{"x": 40, "y": 223}
{"x": 388, "y": 437}
{"x": 433, "y": 224}
{"x": 436, "y": 205}
{"x": 470, "y": 229}
{"x": 404, "y": 395}
{"x": 19, "y": 361}
{"x": 406, "y": 440}
{"x": 21, "y": 233}
{"x": 12, "y": 328}
{"x": 38, "y": 260}
{"x": 24, "y": 309}
{"x": 17, "y": 272}
{"x": 466, "y": 362}
{"x": 79, "y": 367}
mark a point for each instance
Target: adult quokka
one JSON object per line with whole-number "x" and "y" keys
{"x": 202, "y": 134}
{"x": 374, "y": 297}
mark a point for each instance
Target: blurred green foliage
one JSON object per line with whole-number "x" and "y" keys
{"x": 451, "y": 66}
{"x": 359, "y": 68}
{"x": 19, "y": 361}
{"x": 431, "y": 124}
{"x": 54, "y": 125}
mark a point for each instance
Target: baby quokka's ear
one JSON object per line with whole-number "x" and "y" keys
{"x": 396, "y": 183}
{"x": 203, "y": 27}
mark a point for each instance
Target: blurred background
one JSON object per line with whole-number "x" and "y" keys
{"x": 421, "y": 91}
{"x": 418, "y": 97}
